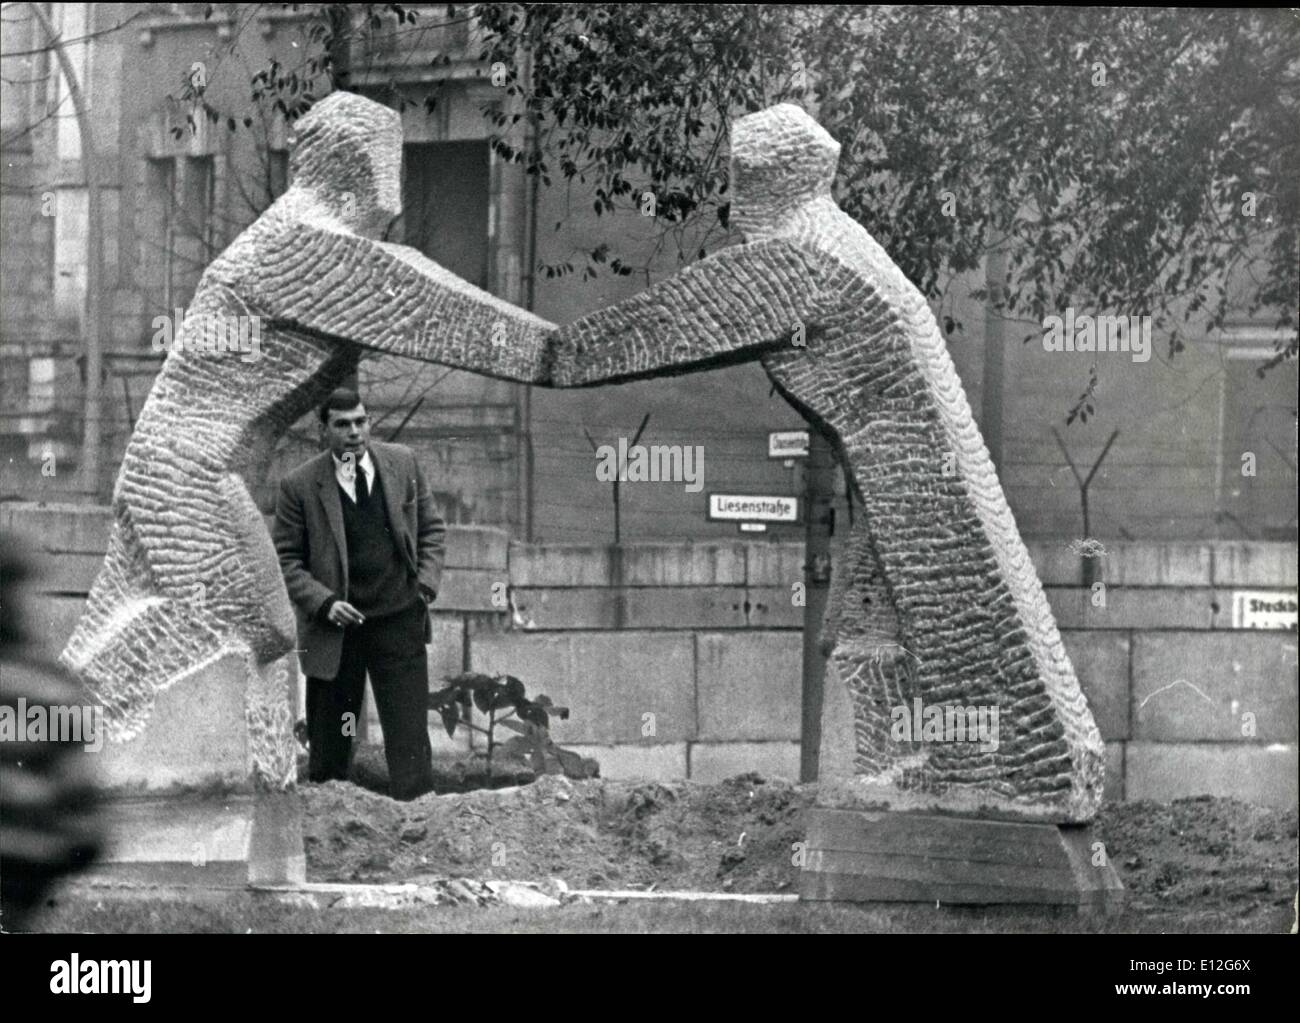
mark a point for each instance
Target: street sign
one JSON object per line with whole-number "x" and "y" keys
{"x": 753, "y": 508}
{"x": 1263, "y": 609}
{"x": 787, "y": 444}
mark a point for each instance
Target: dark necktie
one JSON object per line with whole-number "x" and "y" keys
{"x": 363, "y": 492}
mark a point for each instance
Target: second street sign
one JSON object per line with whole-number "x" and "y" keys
{"x": 787, "y": 444}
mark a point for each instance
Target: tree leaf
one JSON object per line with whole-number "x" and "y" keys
{"x": 514, "y": 689}
{"x": 484, "y": 699}
{"x": 533, "y": 714}
{"x": 450, "y": 718}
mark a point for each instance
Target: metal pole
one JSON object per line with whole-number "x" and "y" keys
{"x": 530, "y": 302}
{"x": 819, "y": 526}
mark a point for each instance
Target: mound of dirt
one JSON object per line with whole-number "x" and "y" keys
{"x": 1204, "y": 854}
{"x": 736, "y": 836}
{"x": 1198, "y": 857}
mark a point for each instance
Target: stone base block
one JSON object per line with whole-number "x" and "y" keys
{"x": 225, "y": 725}
{"x": 231, "y": 841}
{"x": 858, "y": 856}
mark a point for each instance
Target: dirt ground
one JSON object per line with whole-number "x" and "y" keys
{"x": 1207, "y": 863}
{"x": 736, "y": 836}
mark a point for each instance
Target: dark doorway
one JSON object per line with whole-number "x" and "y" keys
{"x": 445, "y": 205}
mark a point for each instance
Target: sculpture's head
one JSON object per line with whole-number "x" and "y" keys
{"x": 347, "y": 150}
{"x": 780, "y": 158}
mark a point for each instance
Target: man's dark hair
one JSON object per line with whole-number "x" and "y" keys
{"x": 342, "y": 399}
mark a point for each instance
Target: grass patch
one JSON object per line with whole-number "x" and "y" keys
{"x": 241, "y": 912}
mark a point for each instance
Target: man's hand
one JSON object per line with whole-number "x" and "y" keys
{"x": 342, "y": 613}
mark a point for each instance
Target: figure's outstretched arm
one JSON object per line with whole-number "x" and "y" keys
{"x": 726, "y": 308}
{"x": 396, "y": 300}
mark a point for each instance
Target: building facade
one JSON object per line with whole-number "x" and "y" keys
{"x": 1204, "y": 449}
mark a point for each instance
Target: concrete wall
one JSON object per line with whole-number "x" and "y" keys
{"x": 683, "y": 660}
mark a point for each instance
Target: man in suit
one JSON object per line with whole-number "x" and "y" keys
{"x": 360, "y": 544}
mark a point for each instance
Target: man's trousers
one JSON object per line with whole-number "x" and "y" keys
{"x": 392, "y": 650}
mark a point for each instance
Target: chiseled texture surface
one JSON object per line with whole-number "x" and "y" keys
{"x": 190, "y": 572}
{"x": 933, "y": 593}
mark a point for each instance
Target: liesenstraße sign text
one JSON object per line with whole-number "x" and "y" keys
{"x": 753, "y": 508}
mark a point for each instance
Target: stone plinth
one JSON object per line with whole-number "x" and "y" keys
{"x": 225, "y": 724}
{"x": 208, "y": 841}
{"x": 857, "y": 856}
{"x": 198, "y": 796}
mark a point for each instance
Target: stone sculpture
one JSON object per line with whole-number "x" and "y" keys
{"x": 933, "y": 594}
{"x": 934, "y": 600}
{"x": 190, "y": 574}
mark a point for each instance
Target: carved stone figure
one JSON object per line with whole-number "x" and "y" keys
{"x": 190, "y": 575}
{"x": 933, "y": 595}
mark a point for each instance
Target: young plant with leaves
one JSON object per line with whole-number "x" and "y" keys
{"x": 504, "y": 700}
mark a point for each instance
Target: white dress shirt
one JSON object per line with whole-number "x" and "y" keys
{"x": 345, "y": 473}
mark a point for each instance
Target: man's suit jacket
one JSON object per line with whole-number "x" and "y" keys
{"x": 309, "y": 539}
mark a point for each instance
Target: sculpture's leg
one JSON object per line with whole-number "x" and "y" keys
{"x": 250, "y": 584}
{"x": 860, "y": 851}
{"x": 199, "y": 726}
{"x": 943, "y": 547}
{"x": 868, "y": 659}
{"x": 129, "y": 638}
{"x": 190, "y": 570}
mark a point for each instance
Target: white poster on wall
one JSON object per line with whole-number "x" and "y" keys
{"x": 1264, "y": 609}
